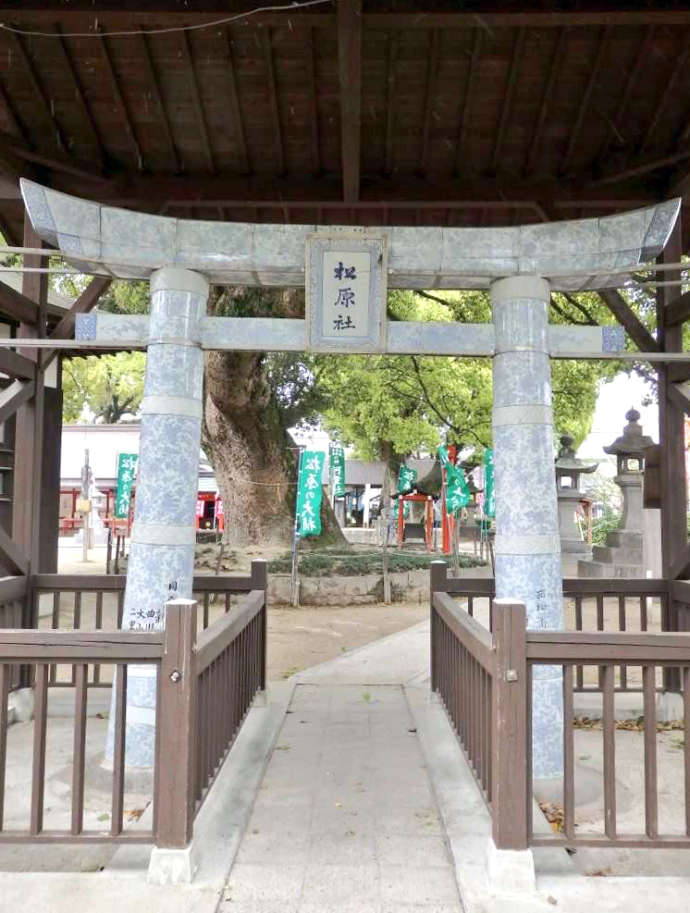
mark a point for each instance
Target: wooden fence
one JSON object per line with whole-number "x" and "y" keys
{"x": 207, "y": 679}
{"x": 485, "y": 681}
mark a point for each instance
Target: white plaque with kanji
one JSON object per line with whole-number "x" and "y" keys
{"x": 346, "y": 292}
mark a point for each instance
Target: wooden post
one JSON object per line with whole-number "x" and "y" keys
{"x": 176, "y": 727}
{"x": 509, "y": 794}
{"x": 672, "y": 440}
{"x": 438, "y": 576}
{"x": 259, "y": 577}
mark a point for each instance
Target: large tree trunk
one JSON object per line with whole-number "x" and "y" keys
{"x": 244, "y": 431}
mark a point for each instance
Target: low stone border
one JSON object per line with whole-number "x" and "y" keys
{"x": 366, "y": 589}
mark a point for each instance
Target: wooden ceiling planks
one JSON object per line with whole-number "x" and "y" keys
{"x": 418, "y": 112}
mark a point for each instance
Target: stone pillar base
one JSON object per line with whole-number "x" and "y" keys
{"x": 168, "y": 866}
{"x": 510, "y": 871}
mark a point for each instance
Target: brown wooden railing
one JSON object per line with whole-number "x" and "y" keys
{"x": 483, "y": 676}
{"x": 207, "y": 680}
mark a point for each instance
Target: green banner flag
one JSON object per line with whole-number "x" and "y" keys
{"x": 309, "y": 492}
{"x": 126, "y": 465}
{"x": 406, "y": 478}
{"x": 457, "y": 491}
{"x": 336, "y": 466}
{"x": 489, "y": 493}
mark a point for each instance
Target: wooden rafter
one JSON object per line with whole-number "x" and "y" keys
{"x": 508, "y": 97}
{"x": 245, "y": 165}
{"x": 79, "y": 94}
{"x": 680, "y": 394}
{"x": 617, "y": 124}
{"x": 313, "y": 102}
{"x": 197, "y": 103}
{"x": 669, "y": 88}
{"x": 15, "y": 365}
{"x": 12, "y": 114}
{"x": 154, "y": 83}
{"x": 432, "y": 70}
{"x": 15, "y": 305}
{"x": 467, "y": 101}
{"x": 349, "y": 18}
{"x": 392, "y": 63}
{"x": 267, "y": 45}
{"x": 554, "y": 68}
{"x": 640, "y": 168}
{"x": 12, "y": 554}
{"x": 586, "y": 97}
{"x": 119, "y": 100}
{"x": 637, "y": 331}
{"x": 39, "y": 90}
{"x": 14, "y": 396}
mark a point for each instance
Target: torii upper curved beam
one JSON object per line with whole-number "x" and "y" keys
{"x": 104, "y": 240}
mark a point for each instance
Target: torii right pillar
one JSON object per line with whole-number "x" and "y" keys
{"x": 528, "y": 559}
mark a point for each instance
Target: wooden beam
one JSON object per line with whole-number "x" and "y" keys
{"x": 16, "y": 306}
{"x": 431, "y": 71}
{"x": 391, "y": 67}
{"x": 508, "y": 98}
{"x": 680, "y": 394}
{"x": 599, "y": 57}
{"x": 680, "y": 570}
{"x": 266, "y": 41}
{"x": 120, "y": 104}
{"x": 154, "y": 82}
{"x": 79, "y": 94}
{"x": 349, "y": 18}
{"x": 466, "y": 108}
{"x": 313, "y": 102}
{"x": 12, "y": 554}
{"x": 678, "y": 311}
{"x": 634, "y": 327}
{"x": 12, "y": 114}
{"x": 236, "y": 110}
{"x": 197, "y": 103}
{"x": 645, "y": 166}
{"x": 55, "y": 162}
{"x": 554, "y": 69}
{"x": 15, "y": 365}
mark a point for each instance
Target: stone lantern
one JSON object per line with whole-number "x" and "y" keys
{"x": 622, "y": 555}
{"x": 629, "y": 450}
{"x": 568, "y": 471}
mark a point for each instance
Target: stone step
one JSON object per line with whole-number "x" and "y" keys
{"x": 601, "y": 569}
{"x": 619, "y": 539}
{"x": 617, "y": 555}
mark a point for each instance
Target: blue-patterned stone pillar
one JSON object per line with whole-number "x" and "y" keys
{"x": 528, "y": 561}
{"x": 161, "y": 558}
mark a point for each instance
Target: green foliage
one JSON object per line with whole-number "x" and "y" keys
{"x": 605, "y": 524}
{"x": 109, "y": 386}
{"x": 337, "y": 563}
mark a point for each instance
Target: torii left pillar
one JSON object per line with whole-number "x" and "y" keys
{"x": 161, "y": 560}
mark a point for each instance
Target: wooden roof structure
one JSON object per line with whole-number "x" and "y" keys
{"x": 347, "y": 112}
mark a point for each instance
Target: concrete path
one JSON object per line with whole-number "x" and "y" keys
{"x": 345, "y": 819}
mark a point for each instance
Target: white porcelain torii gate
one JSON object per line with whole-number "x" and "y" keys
{"x": 520, "y": 265}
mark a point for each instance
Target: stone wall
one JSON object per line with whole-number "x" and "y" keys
{"x": 407, "y": 586}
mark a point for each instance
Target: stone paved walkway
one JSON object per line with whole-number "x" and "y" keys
{"x": 345, "y": 819}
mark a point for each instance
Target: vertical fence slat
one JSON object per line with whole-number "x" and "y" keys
{"x": 117, "y": 804}
{"x": 568, "y": 754}
{"x": 609, "y": 736}
{"x": 38, "y": 774}
{"x": 578, "y": 627}
{"x": 650, "y": 767}
{"x": 686, "y": 744}
{"x": 81, "y": 672}
{"x": 5, "y": 673}
{"x": 643, "y": 613}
